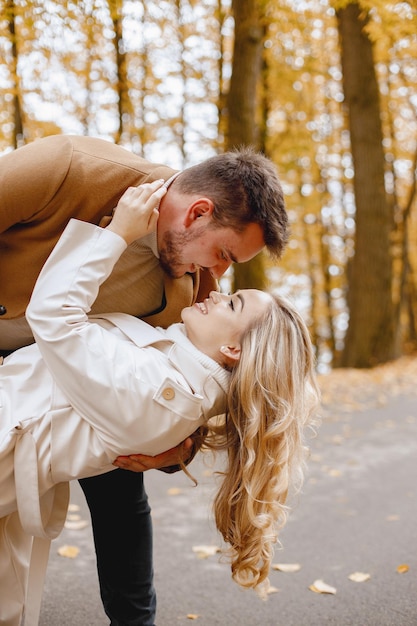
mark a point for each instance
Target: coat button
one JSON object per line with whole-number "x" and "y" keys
{"x": 168, "y": 393}
{"x": 3, "y": 310}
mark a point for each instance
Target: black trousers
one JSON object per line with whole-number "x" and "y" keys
{"x": 122, "y": 527}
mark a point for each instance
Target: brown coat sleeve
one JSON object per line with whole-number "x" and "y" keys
{"x": 46, "y": 183}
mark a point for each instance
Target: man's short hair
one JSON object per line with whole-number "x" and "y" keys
{"x": 244, "y": 187}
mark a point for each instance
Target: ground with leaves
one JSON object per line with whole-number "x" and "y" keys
{"x": 349, "y": 551}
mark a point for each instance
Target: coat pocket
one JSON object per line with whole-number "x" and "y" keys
{"x": 173, "y": 397}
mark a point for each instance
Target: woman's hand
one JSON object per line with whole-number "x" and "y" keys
{"x": 136, "y": 213}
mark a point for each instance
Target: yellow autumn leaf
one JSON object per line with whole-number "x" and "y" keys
{"x": 192, "y": 616}
{"x": 403, "y": 568}
{"x": 203, "y": 552}
{"x": 319, "y": 586}
{"x": 70, "y": 552}
{"x": 76, "y": 525}
{"x": 359, "y": 577}
{"x": 334, "y": 472}
{"x": 286, "y": 567}
{"x": 174, "y": 491}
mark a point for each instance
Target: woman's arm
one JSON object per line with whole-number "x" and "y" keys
{"x": 89, "y": 251}
{"x": 110, "y": 382}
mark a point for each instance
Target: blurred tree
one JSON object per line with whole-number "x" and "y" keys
{"x": 225, "y": 56}
{"x": 16, "y": 95}
{"x": 156, "y": 78}
{"x": 395, "y": 40}
{"x": 123, "y": 96}
{"x": 243, "y": 102}
{"x": 304, "y": 136}
{"x": 370, "y": 338}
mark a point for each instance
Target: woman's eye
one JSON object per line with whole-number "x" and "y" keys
{"x": 232, "y": 306}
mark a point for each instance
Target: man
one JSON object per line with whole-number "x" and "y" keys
{"x": 222, "y": 211}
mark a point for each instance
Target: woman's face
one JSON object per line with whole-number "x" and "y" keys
{"x": 219, "y": 320}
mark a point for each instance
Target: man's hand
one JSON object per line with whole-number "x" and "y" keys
{"x": 165, "y": 460}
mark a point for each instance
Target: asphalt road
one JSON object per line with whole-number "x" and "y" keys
{"x": 357, "y": 513}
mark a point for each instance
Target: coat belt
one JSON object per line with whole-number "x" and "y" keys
{"x": 40, "y": 516}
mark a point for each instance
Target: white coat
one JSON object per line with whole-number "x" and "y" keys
{"x": 91, "y": 389}
{"x": 115, "y": 390}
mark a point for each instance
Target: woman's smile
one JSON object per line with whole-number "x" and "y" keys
{"x": 201, "y": 306}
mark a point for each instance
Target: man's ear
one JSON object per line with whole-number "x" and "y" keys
{"x": 231, "y": 354}
{"x": 202, "y": 207}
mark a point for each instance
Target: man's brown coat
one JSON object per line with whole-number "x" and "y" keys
{"x": 51, "y": 180}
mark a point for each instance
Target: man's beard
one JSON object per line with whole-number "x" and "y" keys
{"x": 170, "y": 258}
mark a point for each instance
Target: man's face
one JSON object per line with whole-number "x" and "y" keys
{"x": 205, "y": 245}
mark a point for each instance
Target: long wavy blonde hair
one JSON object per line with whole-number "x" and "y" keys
{"x": 273, "y": 397}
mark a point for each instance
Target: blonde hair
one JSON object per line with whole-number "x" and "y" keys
{"x": 272, "y": 398}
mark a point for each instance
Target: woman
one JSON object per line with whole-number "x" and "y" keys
{"x": 93, "y": 389}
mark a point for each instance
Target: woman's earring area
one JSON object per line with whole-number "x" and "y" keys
{"x": 225, "y": 365}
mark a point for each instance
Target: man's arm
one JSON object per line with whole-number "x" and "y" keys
{"x": 168, "y": 462}
{"x": 29, "y": 178}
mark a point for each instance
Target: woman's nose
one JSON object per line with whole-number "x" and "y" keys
{"x": 215, "y": 296}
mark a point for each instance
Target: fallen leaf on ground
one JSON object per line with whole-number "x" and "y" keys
{"x": 205, "y": 551}
{"x": 319, "y": 586}
{"x": 403, "y": 568}
{"x": 192, "y": 616}
{"x": 69, "y": 525}
{"x": 316, "y": 458}
{"x": 174, "y": 491}
{"x": 70, "y": 552}
{"x": 372, "y": 386}
{"x": 286, "y": 567}
{"x": 334, "y": 472}
{"x": 359, "y": 577}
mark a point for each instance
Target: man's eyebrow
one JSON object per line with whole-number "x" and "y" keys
{"x": 242, "y": 301}
{"x": 231, "y": 256}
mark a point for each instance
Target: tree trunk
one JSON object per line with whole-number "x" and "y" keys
{"x": 18, "y": 134}
{"x": 370, "y": 338}
{"x": 242, "y": 108}
{"x": 124, "y": 104}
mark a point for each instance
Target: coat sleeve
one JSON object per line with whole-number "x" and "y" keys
{"x": 29, "y": 179}
{"x": 42, "y": 186}
{"x": 114, "y": 385}
{"x": 62, "y": 176}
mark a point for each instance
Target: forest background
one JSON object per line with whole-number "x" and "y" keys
{"x": 326, "y": 88}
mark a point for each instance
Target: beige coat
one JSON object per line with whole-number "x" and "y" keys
{"x": 118, "y": 386}
{"x": 42, "y": 186}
